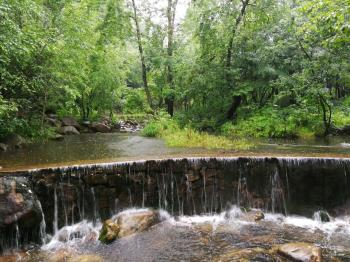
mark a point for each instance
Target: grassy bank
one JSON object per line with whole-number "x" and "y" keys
{"x": 174, "y": 136}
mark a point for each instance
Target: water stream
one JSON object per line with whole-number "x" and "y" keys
{"x": 228, "y": 236}
{"x": 208, "y": 207}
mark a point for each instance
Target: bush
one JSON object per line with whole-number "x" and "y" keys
{"x": 270, "y": 122}
{"x": 168, "y": 129}
{"x": 152, "y": 129}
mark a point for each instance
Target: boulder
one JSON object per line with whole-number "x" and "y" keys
{"x": 100, "y": 127}
{"x": 69, "y": 130}
{"x": 128, "y": 223}
{"x": 54, "y": 122}
{"x": 301, "y": 252}
{"x": 131, "y": 223}
{"x": 18, "y": 204}
{"x": 3, "y": 147}
{"x": 109, "y": 231}
{"x": 259, "y": 216}
{"x": 69, "y": 121}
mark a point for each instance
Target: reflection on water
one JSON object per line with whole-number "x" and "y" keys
{"x": 230, "y": 236}
{"x": 87, "y": 148}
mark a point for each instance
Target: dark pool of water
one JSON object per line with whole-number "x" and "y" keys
{"x": 90, "y": 148}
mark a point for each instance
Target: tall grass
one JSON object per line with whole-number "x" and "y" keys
{"x": 175, "y": 136}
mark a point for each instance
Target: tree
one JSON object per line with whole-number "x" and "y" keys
{"x": 171, "y": 11}
{"x": 142, "y": 58}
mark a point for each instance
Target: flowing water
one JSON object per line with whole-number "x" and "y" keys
{"x": 97, "y": 148}
{"x": 228, "y": 236}
{"x": 208, "y": 205}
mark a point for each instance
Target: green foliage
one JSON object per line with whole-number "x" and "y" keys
{"x": 189, "y": 137}
{"x": 164, "y": 127}
{"x": 273, "y": 69}
{"x": 271, "y": 122}
{"x": 152, "y": 129}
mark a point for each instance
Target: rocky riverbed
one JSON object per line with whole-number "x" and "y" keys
{"x": 233, "y": 235}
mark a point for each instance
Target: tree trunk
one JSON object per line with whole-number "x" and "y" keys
{"x": 170, "y": 73}
{"x": 327, "y": 116}
{"x": 236, "y": 101}
{"x": 142, "y": 58}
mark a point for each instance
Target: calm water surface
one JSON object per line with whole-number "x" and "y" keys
{"x": 92, "y": 148}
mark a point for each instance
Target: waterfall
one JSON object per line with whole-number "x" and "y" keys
{"x": 17, "y": 234}
{"x": 55, "y": 221}
{"x": 42, "y": 228}
{"x": 96, "y": 217}
{"x": 278, "y": 200}
{"x": 293, "y": 186}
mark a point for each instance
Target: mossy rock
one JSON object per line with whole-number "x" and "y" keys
{"x": 109, "y": 232}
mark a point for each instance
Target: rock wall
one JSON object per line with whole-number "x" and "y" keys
{"x": 181, "y": 186}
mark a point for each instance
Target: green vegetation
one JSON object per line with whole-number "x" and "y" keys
{"x": 228, "y": 69}
{"x": 168, "y": 129}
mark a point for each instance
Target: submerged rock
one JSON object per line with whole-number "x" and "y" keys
{"x": 249, "y": 254}
{"x": 128, "y": 223}
{"x": 303, "y": 252}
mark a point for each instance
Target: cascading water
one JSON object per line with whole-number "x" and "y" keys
{"x": 193, "y": 188}
{"x": 55, "y": 221}
{"x": 42, "y": 232}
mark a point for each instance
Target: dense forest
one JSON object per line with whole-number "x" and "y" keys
{"x": 234, "y": 68}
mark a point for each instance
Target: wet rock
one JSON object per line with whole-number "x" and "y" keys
{"x": 129, "y": 126}
{"x": 69, "y": 121}
{"x": 18, "y": 204}
{"x": 249, "y": 254}
{"x": 54, "y": 122}
{"x": 259, "y": 216}
{"x": 60, "y": 256}
{"x": 303, "y": 252}
{"x": 18, "y": 256}
{"x": 69, "y": 130}
{"x": 86, "y": 258}
{"x": 322, "y": 216}
{"x": 3, "y": 147}
{"x": 134, "y": 222}
{"x": 100, "y": 127}
{"x": 128, "y": 223}
{"x": 117, "y": 126}
{"x": 191, "y": 177}
{"x": 109, "y": 232}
